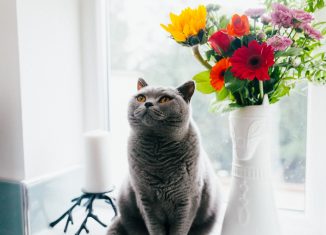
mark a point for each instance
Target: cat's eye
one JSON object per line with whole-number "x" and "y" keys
{"x": 141, "y": 98}
{"x": 165, "y": 99}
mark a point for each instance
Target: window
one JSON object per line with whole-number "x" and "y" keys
{"x": 290, "y": 150}
{"x": 138, "y": 43}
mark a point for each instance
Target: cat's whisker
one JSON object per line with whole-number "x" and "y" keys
{"x": 139, "y": 110}
{"x": 160, "y": 113}
{"x": 174, "y": 121}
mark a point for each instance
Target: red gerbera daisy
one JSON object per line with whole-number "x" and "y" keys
{"x": 253, "y": 61}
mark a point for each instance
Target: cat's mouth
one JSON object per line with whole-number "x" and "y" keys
{"x": 149, "y": 113}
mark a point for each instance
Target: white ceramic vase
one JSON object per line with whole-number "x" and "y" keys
{"x": 251, "y": 208}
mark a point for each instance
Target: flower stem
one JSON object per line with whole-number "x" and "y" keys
{"x": 261, "y": 90}
{"x": 255, "y": 21}
{"x": 241, "y": 98}
{"x": 281, "y": 78}
{"x": 291, "y": 33}
{"x": 196, "y": 53}
{"x": 304, "y": 42}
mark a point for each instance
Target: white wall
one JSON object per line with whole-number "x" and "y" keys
{"x": 11, "y": 141}
{"x": 41, "y": 105}
{"x": 50, "y": 64}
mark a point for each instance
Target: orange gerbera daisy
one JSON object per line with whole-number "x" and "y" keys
{"x": 238, "y": 26}
{"x": 217, "y": 73}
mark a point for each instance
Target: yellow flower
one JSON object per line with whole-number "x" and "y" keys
{"x": 187, "y": 24}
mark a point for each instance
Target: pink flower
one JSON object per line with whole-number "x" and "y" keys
{"x": 266, "y": 19}
{"x": 279, "y": 43}
{"x": 281, "y": 15}
{"x": 311, "y": 32}
{"x": 302, "y": 16}
{"x": 286, "y": 17}
{"x": 261, "y": 35}
{"x": 255, "y": 13}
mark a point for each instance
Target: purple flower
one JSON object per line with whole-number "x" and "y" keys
{"x": 281, "y": 15}
{"x": 279, "y": 43}
{"x": 311, "y": 32}
{"x": 301, "y": 17}
{"x": 266, "y": 19}
{"x": 255, "y": 13}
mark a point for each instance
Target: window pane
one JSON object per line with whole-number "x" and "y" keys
{"x": 138, "y": 43}
{"x": 291, "y": 155}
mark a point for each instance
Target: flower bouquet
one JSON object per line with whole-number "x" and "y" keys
{"x": 251, "y": 60}
{"x": 253, "y": 54}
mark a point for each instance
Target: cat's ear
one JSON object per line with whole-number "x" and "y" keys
{"x": 141, "y": 84}
{"x": 186, "y": 90}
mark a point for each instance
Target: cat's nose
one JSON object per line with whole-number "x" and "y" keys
{"x": 148, "y": 104}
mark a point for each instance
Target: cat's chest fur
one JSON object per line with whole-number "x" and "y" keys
{"x": 164, "y": 168}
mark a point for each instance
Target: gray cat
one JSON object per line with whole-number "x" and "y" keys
{"x": 171, "y": 189}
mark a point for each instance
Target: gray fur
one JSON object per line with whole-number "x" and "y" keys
{"x": 171, "y": 189}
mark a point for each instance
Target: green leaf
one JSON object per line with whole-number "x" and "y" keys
{"x": 223, "y": 106}
{"x": 320, "y": 4}
{"x": 318, "y": 23}
{"x": 232, "y": 83}
{"x": 281, "y": 91}
{"x": 293, "y": 51}
{"x": 209, "y": 54}
{"x": 222, "y": 94}
{"x": 235, "y": 44}
{"x": 245, "y": 93}
{"x": 248, "y": 38}
{"x": 193, "y": 40}
{"x": 211, "y": 30}
{"x": 313, "y": 5}
{"x": 323, "y": 32}
{"x": 224, "y": 21}
{"x": 203, "y": 84}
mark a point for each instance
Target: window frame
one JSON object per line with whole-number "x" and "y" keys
{"x": 94, "y": 22}
{"x": 312, "y": 219}
{"x": 315, "y": 159}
